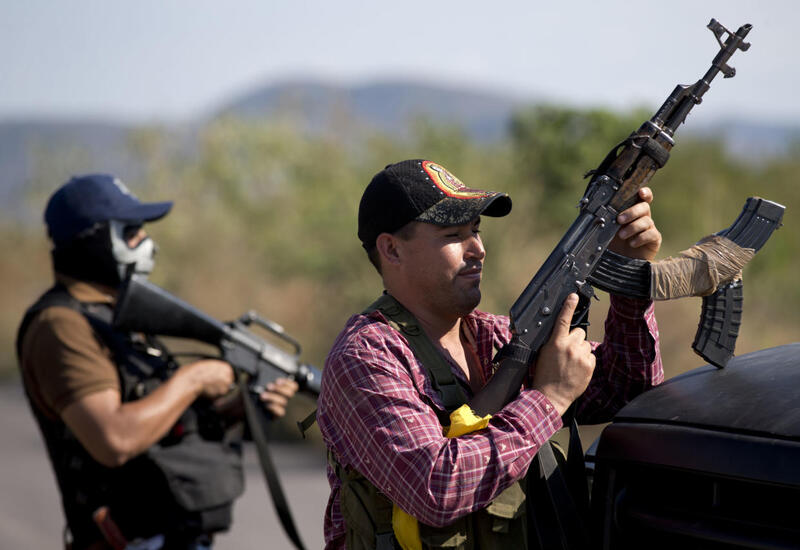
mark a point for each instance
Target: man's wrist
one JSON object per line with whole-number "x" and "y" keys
{"x": 188, "y": 377}
{"x": 552, "y": 401}
{"x": 542, "y": 414}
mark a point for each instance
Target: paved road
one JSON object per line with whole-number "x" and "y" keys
{"x": 30, "y": 510}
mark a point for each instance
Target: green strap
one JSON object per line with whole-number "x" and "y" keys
{"x": 437, "y": 367}
{"x": 442, "y": 379}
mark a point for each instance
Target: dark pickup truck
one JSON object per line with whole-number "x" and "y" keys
{"x": 708, "y": 460}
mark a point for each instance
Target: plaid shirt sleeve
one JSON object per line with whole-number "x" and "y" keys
{"x": 376, "y": 416}
{"x": 628, "y": 360}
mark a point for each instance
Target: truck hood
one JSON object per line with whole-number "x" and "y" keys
{"x": 757, "y": 393}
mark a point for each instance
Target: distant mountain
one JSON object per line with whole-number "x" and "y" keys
{"x": 385, "y": 106}
{"x": 314, "y": 107}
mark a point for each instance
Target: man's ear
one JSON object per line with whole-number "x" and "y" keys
{"x": 387, "y": 245}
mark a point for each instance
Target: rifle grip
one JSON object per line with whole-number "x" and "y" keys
{"x": 719, "y": 324}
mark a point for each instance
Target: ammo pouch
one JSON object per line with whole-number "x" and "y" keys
{"x": 187, "y": 488}
{"x": 367, "y": 514}
{"x": 499, "y": 525}
{"x": 202, "y": 477}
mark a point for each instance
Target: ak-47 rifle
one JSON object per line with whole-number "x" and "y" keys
{"x": 581, "y": 258}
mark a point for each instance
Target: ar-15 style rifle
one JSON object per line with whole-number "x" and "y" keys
{"x": 147, "y": 308}
{"x": 573, "y": 265}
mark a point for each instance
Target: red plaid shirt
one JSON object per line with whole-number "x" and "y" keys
{"x": 374, "y": 419}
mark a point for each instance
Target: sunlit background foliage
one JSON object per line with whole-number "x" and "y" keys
{"x": 265, "y": 218}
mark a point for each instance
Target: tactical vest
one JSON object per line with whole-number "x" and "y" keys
{"x": 368, "y": 512}
{"x": 182, "y": 486}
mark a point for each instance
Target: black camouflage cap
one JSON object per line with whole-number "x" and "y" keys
{"x": 421, "y": 190}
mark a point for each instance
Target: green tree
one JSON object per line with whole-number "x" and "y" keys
{"x": 555, "y": 146}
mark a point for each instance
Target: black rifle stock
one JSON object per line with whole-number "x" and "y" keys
{"x": 613, "y": 187}
{"x": 145, "y": 307}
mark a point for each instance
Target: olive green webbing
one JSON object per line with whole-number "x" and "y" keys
{"x": 441, "y": 377}
{"x": 439, "y": 373}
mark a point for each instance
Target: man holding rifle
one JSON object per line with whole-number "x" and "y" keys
{"x": 143, "y": 452}
{"x": 410, "y": 465}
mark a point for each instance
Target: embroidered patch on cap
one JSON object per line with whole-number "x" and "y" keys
{"x": 449, "y": 184}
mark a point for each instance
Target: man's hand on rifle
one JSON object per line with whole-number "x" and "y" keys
{"x": 277, "y": 395}
{"x": 566, "y": 362}
{"x": 212, "y": 378}
{"x": 638, "y": 236}
{"x": 274, "y": 398}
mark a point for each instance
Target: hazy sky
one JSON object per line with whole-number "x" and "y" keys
{"x": 174, "y": 60}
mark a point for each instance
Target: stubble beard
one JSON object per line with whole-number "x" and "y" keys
{"x": 464, "y": 301}
{"x": 451, "y": 297}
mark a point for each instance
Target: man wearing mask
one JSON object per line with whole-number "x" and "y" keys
{"x": 143, "y": 456}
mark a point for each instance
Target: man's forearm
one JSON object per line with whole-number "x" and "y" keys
{"x": 114, "y": 432}
{"x": 628, "y": 360}
{"x": 631, "y": 342}
{"x": 429, "y": 480}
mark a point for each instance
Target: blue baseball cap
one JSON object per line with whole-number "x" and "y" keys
{"x": 87, "y": 200}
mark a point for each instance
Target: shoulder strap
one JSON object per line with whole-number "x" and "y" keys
{"x": 437, "y": 367}
{"x": 99, "y": 315}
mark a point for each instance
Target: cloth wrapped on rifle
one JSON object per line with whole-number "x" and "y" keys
{"x": 699, "y": 270}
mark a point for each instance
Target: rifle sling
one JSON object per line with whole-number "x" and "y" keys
{"x": 558, "y": 498}
{"x": 649, "y": 146}
{"x": 307, "y": 422}
{"x": 258, "y": 421}
{"x": 576, "y": 471}
{"x": 655, "y": 151}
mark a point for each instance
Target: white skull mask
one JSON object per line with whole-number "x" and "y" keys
{"x": 141, "y": 256}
